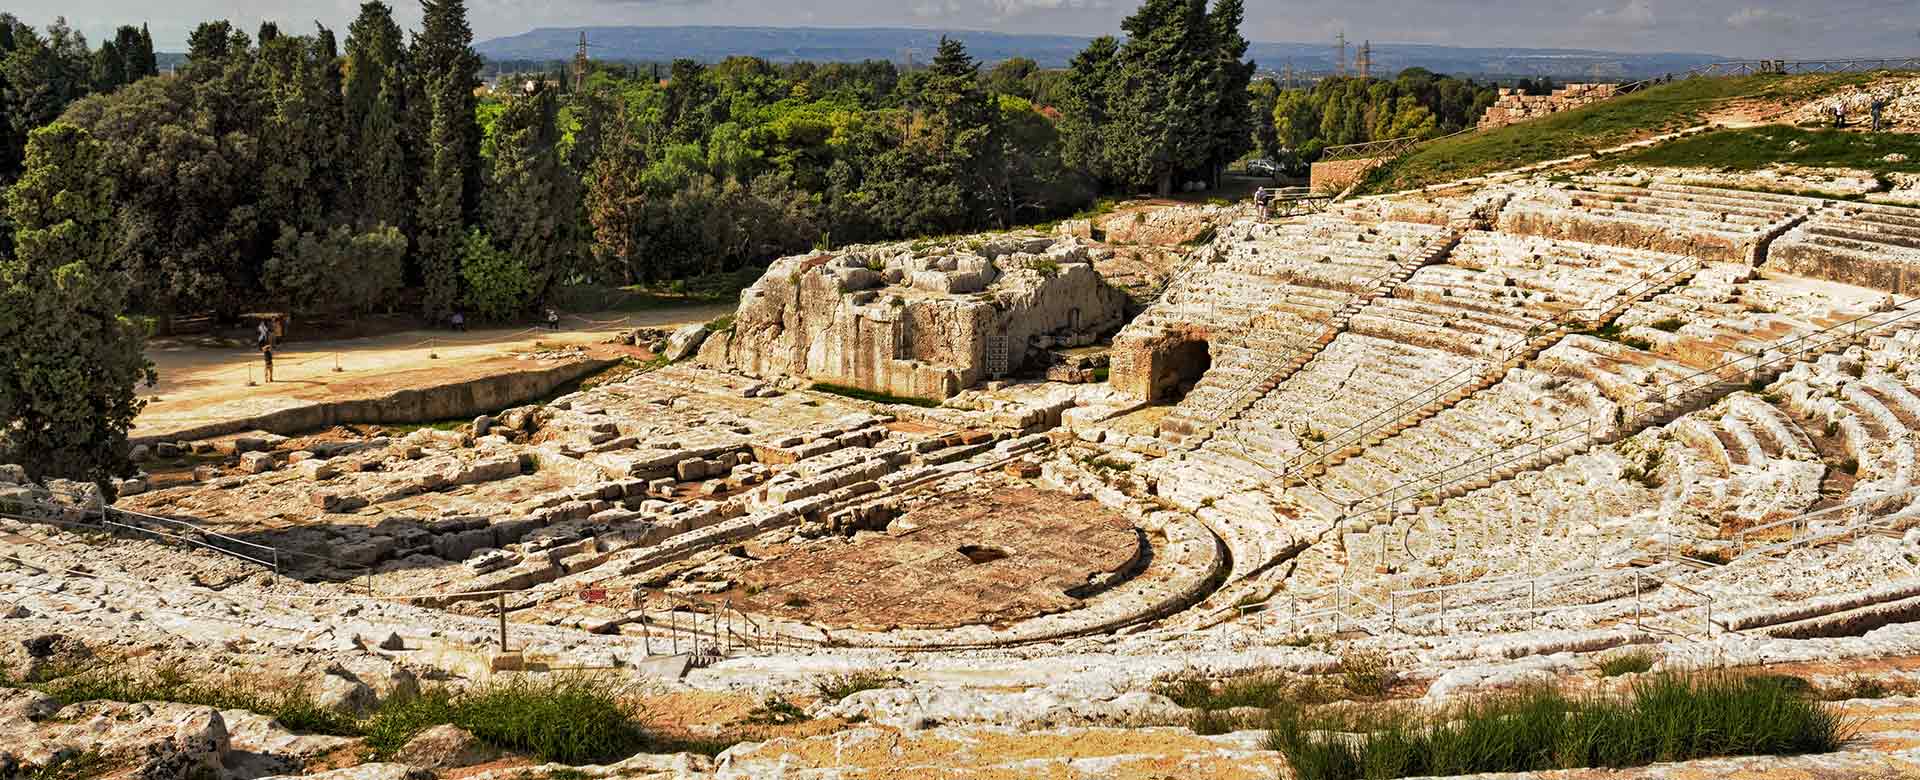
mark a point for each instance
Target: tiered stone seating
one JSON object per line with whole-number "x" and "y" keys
{"x": 1352, "y": 380}
{"x": 1274, "y": 291}
{"x": 1704, "y": 222}
{"x": 1854, "y": 243}
{"x": 1866, "y": 398}
{"x": 1719, "y": 320}
{"x": 1463, "y": 323}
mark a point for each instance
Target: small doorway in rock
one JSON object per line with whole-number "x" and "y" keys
{"x": 1183, "y": 366}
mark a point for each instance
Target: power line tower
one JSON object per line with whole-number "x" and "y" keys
{"x": 1366, "y": 60}
{"x": 1340, "y": 49}
{"x": 1289, "y": 75}
{"x": 580, "y": 62}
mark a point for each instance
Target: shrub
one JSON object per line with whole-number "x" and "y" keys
{"x": 1669, "y": 717}
{"x": 776, "y": 711}
{"x": 1368, "y": 672}
{"x": 835, "y": 687}
{"x": 1669, "y": 324}
{"x": 498, "y": 284}
{"x": 1631, "y": 662}
{"x": 720, "y": 324}
{"x": 569, "y": 720}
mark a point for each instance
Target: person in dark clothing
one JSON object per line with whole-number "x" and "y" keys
{"x": 266, "y": 355}
{"x": 1878, "y": 105}
{"x": 459, "y": 321}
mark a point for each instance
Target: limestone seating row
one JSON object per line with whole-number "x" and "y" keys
{"x": 1876, "y": 247}
{"x": 1725, "y": 205}
{"x": 1510, "y": 348}
{"x": 1522, "y": 406}
{"x": 1749, "y": 434}
{"x": 1354, "y": 378}
{"x": 1203, "y": 420}
{"x": 1872, "y": 409}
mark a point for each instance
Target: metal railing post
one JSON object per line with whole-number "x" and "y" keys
{"x": 1637, "y": 622}
{"x": 500, "y": 605}
{"x": 1533, "y": 603}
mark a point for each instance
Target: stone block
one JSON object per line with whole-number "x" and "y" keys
{"x": 256, "y": 462}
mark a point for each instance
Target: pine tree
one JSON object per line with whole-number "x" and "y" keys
{"x": 533, "y": 200}
{"x": 1233, "y": 115}
{"x": 1165, "y": 90}
{"x": 69, "y": 397}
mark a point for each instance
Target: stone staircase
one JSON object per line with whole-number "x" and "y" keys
{"x": 1189, "y": 431}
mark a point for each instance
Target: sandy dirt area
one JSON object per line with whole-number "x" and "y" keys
{"x": 200, "y": 386}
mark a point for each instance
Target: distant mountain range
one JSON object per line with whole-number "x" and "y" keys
{"x": 821, "y": 44}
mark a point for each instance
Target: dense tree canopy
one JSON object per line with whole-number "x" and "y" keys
{"x": 68, "y": 394}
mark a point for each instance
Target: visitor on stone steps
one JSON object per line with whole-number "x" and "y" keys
{"x": 1878, "y": 105}
{"x": 459, "y": 321}
{"x": 553, "y": 319}
{"x": 266, "y": 354}
{"x": 1839, "y": 116}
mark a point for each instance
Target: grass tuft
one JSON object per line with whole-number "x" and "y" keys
{"x": 835, "y": 687}
{"x": 569, "y": 719}
{"x": 1668, "y": 717}
{"x": 1630, "y": 662}
{"x": 288, "y": 703}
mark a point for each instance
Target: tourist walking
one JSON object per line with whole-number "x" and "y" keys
{"x": 1879, "y": 104}
{"x": 266, "y": 356}
{"x": 265, "y": 334}
{"x": 459, "y": 321}
{"x": 553, "y": 319}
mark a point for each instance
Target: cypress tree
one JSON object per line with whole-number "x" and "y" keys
{"x": 533, "y": 200}
{"x": 374, "y": 108}
{"x": 1233, "y": 112}
{"x": 443, "y": 52}
{"x": 136, "y": 54}
{"x": 1086, "y": 110}
{"x": 69, "y": 397}
{"x": 109, "y": 68}
{"x": 442, "y": 230}
{"x": 147, "y": 62}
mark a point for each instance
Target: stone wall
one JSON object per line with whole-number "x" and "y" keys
{"x": 1514, "y": 106}
{"x": 918, "y": 320}
{"x": 1337, "y": 176}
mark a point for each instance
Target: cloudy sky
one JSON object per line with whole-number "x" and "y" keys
{"x": 1743, "y": 28}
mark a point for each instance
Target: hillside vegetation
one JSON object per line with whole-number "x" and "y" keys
{"x": 1754, "y": 148}
{"x": 1622, "y": 120}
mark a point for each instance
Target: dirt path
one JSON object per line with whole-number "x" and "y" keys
{"x": 201, "y": 386}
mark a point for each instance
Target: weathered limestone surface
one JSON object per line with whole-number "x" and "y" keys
{"x": 921, "y": 321}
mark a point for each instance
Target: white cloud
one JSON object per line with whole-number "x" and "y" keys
{"x": 1751, "y": 18}
{"x": 1636, "y": 14}
{"x": 1005, "y": 8}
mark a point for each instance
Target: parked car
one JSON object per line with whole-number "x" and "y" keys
{"x": 1264, "y": 167}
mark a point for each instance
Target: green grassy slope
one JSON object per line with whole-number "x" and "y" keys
{"x": 1753, "y": 148}
{"x": 1624, "y": 119}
